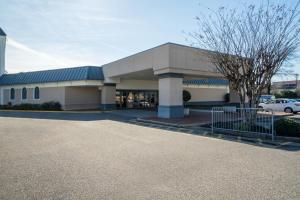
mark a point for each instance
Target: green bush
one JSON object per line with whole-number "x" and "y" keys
{"x": 242, "y": 126}
{"x": 227, "y": 97}
{"x": 278, "y": 95}
{"x": 287, "y": 127}
{"x": 27, "y": 106}
{"x": 52, "y": 105}
{"x": 286, "y": 94}
{"x": 186, "y": 95}
{"x": 298, "y": 92}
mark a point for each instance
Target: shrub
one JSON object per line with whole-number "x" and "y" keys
{"x": 287, "y": 127}
{"x": 227, "y": 97}
{"x": 298, "y": 92}
{"x": 278, "y": 95}
{"x": 186, "y": 95}
{"x": 52, "y": 105}
{"x": 26, "y": 106}
{"x": 288, "y": 94}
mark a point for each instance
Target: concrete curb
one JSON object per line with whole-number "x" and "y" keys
{"x": 169, "y": 124}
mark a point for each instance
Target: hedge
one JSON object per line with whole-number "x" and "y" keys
{"x": 287, "y": 127}
{"x": 52, "y": 105}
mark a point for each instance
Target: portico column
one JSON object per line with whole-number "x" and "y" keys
{"x": 170, "y": 95}
{"x": 108, "y": 96}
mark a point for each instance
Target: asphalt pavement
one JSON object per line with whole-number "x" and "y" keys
{"x": 102, "y": 156}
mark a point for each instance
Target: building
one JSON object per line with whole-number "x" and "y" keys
{"x": 280, "y": 86}
{"x": 153, "y": 78}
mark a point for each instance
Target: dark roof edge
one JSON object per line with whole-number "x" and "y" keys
{"x": 42, "y": 83}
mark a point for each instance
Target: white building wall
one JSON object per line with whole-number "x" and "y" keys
{"x": 2, "y": 54}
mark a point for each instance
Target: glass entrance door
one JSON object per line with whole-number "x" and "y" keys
{"x": 137, "y": 99}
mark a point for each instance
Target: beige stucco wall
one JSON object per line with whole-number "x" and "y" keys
{"x": 71, "y": 98}
{"x": 189, "y": 59}
{"x": 170, "y": 91}
{"x": 108, "y": 95}
{"x": 46, "y": 94}
{"x": 165, "y": 58}
{"x": 80, "y": 98}
{"x": 158, "y": 57}
{"x": 234, "y": 97}
{"x": 138, "y": 85}
{"x": 207, "y": 94}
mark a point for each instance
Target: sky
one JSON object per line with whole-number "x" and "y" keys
{"x": 47, "y": 34}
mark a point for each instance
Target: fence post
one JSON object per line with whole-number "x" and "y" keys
{"x": 272, "y": 129}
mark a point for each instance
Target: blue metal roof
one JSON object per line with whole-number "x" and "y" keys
{"x": 206, "y": 82}
{"x": 56, "y": 75}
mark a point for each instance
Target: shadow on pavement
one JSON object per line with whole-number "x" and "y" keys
{"x": 130, "y": 117}
{"x": 287, "y": 146}
{"x": 76, "y": 116}
{"x": 117, "y": 115}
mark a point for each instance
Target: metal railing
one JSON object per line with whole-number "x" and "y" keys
{"x": 248, "y": 120}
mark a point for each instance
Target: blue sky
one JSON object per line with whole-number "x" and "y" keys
{"x": 44, "y": 34}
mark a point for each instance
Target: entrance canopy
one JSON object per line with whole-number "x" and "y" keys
{"x": 160, "y": 70}
{"x": 166, "y": 58}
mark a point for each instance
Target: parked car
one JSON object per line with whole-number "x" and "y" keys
{"x": 282, "y": 105}
{"x": 266, "y": 98}
{"x": 144, "y": 103}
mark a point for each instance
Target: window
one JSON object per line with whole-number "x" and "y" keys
{"x": 36, "y": 94}
{"x": 24, "y": 94}
{"x": 12, "y": 94}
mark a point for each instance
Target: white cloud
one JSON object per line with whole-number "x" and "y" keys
{"x": 20, "y": 57}
{"x": 13, "y": 43}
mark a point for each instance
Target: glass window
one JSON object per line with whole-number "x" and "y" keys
{"x": 36, "y": 93}
{"x": 12, "y": 94}
{"x": 24, "y": 93}
{"x": 291, "y": 101}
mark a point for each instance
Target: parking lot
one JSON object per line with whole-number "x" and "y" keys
{"x": 102, "y": 156}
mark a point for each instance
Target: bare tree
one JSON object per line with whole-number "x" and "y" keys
{"x": 250, "y": 45}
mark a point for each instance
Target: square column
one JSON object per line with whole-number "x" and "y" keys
{"x": 170, "y": 96}
{"x": 108, "y": 96}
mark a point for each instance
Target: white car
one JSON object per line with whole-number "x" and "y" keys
{"x": 282, "y": 105}
{"x": 265, "y": 98}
